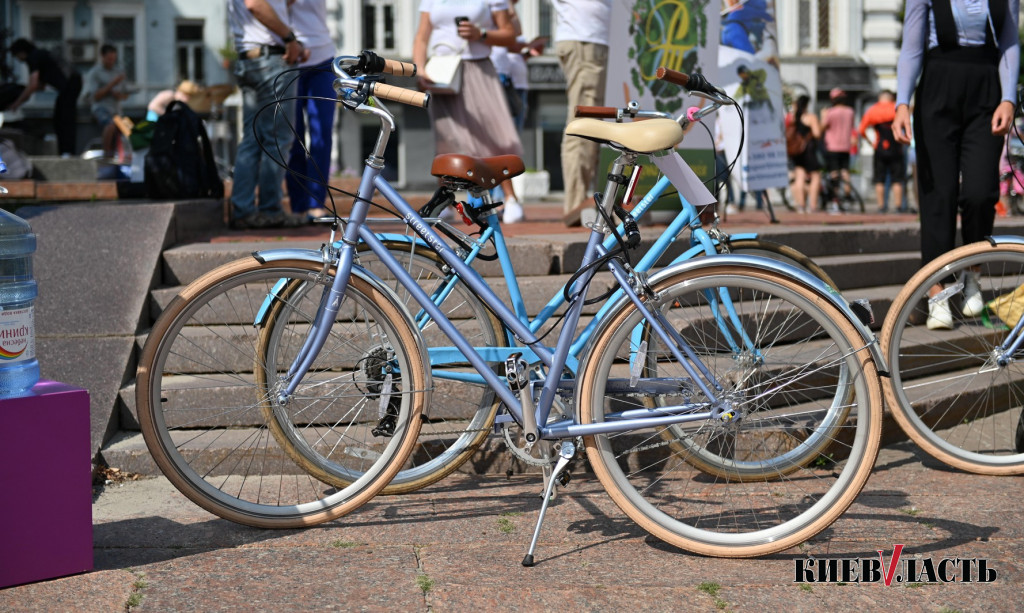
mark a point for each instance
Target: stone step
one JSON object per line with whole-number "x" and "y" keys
{"x": 186, "y": 263}
{"x": 860, "y": 271}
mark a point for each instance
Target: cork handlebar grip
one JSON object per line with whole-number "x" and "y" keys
{"x": 401, "y": 69}
{"x": 401, "y": 94}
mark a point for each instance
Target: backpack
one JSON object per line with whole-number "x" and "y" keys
{"x": 796, "y": 141}
{"x": 180, "y": 161}
{"x": 886, "y": 144}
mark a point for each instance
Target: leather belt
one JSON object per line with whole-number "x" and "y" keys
{"x": 263, "y": 51}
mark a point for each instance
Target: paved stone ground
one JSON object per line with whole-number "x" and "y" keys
{"x": 457, "y": 546}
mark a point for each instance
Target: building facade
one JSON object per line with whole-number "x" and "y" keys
{"x": 850, "y": 44}
{"x": 822, "y": 44}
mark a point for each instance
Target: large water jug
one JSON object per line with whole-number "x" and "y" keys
{"x": 19, "y": 369}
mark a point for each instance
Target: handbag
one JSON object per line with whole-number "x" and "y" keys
{"x": 445, "y": 70}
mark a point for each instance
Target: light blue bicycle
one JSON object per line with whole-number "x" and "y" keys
{"x": 288, "y": 388}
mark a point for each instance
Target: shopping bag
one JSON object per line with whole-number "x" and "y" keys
{"x": 1008, "y": 307}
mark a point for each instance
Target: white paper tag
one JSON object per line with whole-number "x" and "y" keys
{"x": 684, "y": 179}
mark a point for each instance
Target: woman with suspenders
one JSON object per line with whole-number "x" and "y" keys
{"x": 966, "y": 53}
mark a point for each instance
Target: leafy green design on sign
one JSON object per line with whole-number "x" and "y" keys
{"x": 666, "y": 33}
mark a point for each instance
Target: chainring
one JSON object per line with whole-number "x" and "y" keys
{"x": 541, "y": 453}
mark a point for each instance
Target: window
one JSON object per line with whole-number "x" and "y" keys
{"x": 547, "y": 20}
{"x": 120, "y": 32}
{"x": 815, "y": 26}
{"x": 190, "y": 49}
{"x": 48, "y": 33}
{"x": 379, "y": 25}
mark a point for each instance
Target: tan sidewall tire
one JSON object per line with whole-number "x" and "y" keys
{"x": 149, "y": 427}
{"x": 898, "y": 410}
{"x": 859, "y": 478}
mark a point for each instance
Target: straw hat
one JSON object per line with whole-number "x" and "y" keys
{"x": 189, "y": 88}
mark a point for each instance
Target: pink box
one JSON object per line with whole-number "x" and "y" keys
{"x": 46, "y": 480}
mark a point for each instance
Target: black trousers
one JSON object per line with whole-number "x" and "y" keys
{"x": 957, "y": 155}
{"x": 65, "y": 115}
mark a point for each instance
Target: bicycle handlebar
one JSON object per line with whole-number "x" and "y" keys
{"x": 400, "y": 69}
{"x": 400, "y": 94}
{"x": 630, "y": 111}
{"x": 695, "y": 82}
{"x": 597, "y": 112}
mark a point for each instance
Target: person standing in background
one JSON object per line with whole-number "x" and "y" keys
{"x": 806, "y": 167}
{"x": 105, "y": 86}
{"x": 967, "y": 55}
{"x": 477, "y": 120}
{"x": 46, "y": 69}
{"x": 267, "y": 47}
{"x": 890, "y": 159}
{"x": 581, "y": 41}
{"x": 309, "y": 167}
{"x": 837, "y": 126}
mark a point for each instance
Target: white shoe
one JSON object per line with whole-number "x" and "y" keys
{"x": 940, "y": 317}
{"x": 513, "y": 212}
{"x": 731, "y": 209}
{"x": 448, "y": 215}
{"x": 973, "y": 304}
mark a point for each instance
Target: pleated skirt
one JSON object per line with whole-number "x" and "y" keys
{"x": 477, "y": 120}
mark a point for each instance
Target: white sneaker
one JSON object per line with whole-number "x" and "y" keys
{"x": 940, "y": 317}
{"x": 973, "y": 304}
{"x": 513, "y": 212}
{"x": 731, "y": 209}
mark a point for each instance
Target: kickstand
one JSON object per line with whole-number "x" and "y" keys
{"x": 548, "y": 469}
{"x": 565, "y": 456}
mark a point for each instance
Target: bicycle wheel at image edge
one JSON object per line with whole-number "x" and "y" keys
{"x": 461, "y": 413}
{"x": 806, "y": 355}
{"x": 947, "y": 390}
{"x": 202, "y": 411}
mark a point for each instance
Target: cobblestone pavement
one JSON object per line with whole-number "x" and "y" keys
{"x": 457, "y": 546}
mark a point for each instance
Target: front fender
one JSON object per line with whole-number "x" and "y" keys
{"x": 805, "y": 278}
{"x": 316, "y": 256}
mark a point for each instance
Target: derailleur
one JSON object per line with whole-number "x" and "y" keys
{"x": 381, "y": 372}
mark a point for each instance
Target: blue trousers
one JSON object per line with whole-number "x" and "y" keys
{"x": 254, "y": 166}
{"x": 309, "y": 172}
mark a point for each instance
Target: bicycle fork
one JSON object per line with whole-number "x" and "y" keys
{"x": 328, "y": 309}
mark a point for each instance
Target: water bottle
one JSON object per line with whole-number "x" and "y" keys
{"x": 19, "y": 369}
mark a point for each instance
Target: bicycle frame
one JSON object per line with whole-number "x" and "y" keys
{"x": 702, "y": 243}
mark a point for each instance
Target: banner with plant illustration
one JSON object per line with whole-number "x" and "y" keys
{"x": 680, "y": 35}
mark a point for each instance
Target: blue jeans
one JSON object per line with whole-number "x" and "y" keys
{"x": 308, "y": 174}
{"x": 271, "y": 128}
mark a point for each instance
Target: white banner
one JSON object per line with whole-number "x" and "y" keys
{"x": 748, "y": 64}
